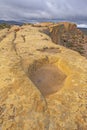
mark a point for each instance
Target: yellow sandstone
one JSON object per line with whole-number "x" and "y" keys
{"x": 43, "y": 86}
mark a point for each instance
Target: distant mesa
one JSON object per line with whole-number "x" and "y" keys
{"x": 43, "y": 24}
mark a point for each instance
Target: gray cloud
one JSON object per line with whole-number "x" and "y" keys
{"x": 26, "y": 9}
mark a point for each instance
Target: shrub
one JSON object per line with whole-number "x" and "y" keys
{"x": 4, "y": 25}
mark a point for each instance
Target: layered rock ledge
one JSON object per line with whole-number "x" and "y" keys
{"x": 43, "y": 86}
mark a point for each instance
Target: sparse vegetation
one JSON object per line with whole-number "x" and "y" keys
{"x": 80, "y": 50}
{"x": 68, "y": 44}
{"x": 4, "y": 25}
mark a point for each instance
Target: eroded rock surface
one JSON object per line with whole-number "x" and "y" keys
{"x": 28, "y": 56}
{"x": 68, "y": 35}
{"x": 48, "y": 79}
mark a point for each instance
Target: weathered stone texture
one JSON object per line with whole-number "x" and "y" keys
{"x": 23, "y": 51}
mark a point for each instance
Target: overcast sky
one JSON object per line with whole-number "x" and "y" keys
{"x": 25, "y": 9}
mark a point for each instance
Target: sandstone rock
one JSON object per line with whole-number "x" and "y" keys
{"x": 67, "y": 34}
{"x": 26, "y": 56}
{"x": 43, "y": 24}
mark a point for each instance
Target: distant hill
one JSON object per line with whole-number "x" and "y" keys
{"x": 11, "y": 22}
{"x": 84, "y": 30}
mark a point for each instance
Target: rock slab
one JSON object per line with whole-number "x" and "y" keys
{"x": 27, "y": 51}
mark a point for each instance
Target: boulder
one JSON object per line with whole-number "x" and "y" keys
{"x": 68, "y": 35}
